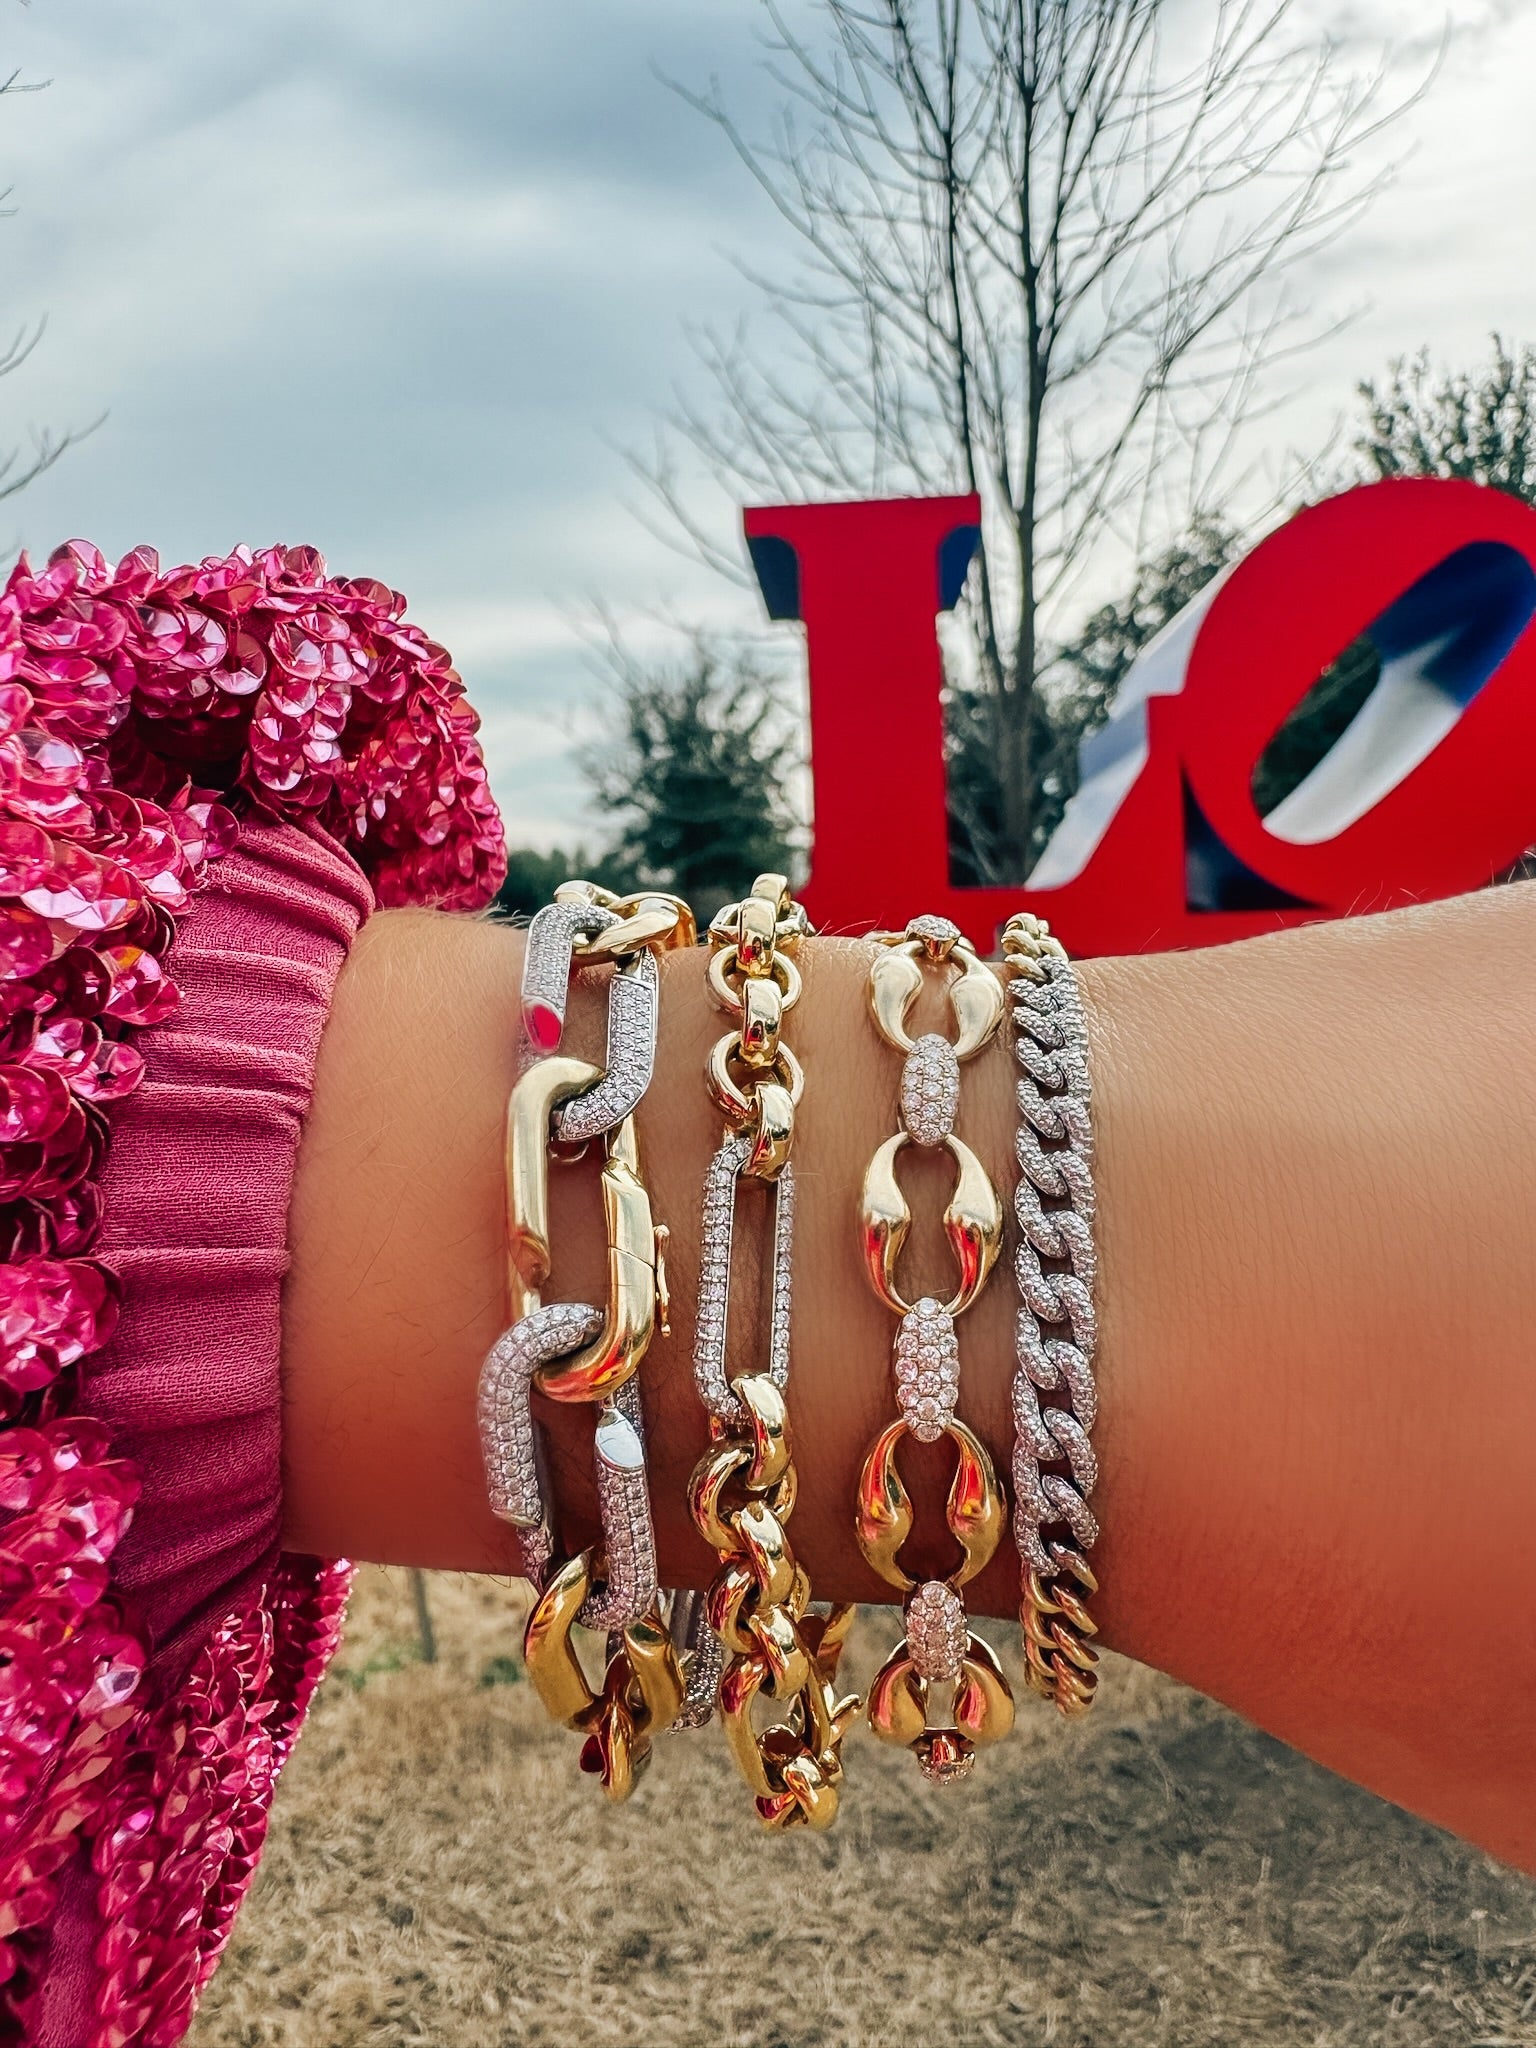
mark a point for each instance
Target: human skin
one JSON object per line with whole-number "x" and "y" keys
{"x": 1316, "y": 1157}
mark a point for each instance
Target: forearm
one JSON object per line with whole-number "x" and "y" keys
{"x": 1317, "y": 1172}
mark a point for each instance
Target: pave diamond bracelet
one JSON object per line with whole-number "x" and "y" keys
{"x": 937, "y": 1648}
{"x": 743, "y": 1489}
{"x": 1054, "y": 1396}
{"x": 579, "y": 1353}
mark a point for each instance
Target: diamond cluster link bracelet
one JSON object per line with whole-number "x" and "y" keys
{"x": 578, "y": 1353}
{"x": 743, "y": 1489}
{"x": 937, "y": 1648}
{"x": 1055, "y": 1398}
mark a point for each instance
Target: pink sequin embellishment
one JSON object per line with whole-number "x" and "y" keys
{"x": 140, "y": 710}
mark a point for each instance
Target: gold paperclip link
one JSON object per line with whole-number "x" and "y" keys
{"x": 743, "y": 1489}
{"x": 599, "y": 1369}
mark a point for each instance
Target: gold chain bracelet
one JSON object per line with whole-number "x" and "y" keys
{"x": 573, "y": 1353}
{"x": 937, "y": 1647}
{"x": 742, "y": 1491}
{"x": 1055, "y": 1398}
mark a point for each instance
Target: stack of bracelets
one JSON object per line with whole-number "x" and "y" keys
{"x": 676, "y": 1660}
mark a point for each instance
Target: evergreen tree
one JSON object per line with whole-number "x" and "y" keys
{"x": 533, "y": 877}
{"x": 696, "y": 781}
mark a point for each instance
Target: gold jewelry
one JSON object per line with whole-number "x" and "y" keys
{"x": 574, "y": 1353}
{"x": 1054, "y": 1467}
{"x": 937, "y": 1647}
{"x": 743, "y": 1490}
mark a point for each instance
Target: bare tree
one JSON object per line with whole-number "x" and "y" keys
{"x": 21, "y": 463}
{"x": 1043, "y": 250}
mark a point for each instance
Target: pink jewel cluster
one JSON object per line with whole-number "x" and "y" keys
{"x": 141, "y": 711}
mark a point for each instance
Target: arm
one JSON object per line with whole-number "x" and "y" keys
{"x": 1317, "y": 1171}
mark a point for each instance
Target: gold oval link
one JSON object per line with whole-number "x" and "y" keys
{"x": 653, "y": 1674}
{"x": 767, "y": 1551}
{"x": 894, "y": 980}
{"x": 729, "y": 1606}
{"x": 599, "y": 1369}
{"x": 883, "y": 1516}
{"x": 535, "y": 1096}
{"x": 740, "y": 1684}
{"x": 762, "y": 1013}
{"x": 884, "y": 1221}
{"x": 756, "y": 929}
{"x": 768, "y": 1418}
{"x": 977, "y": 999}
{"x": 727, "y": 994}
{"x": 773, "y": 1131}
{"x": 654, "y": 923}
{"x": 976, "y": 1512}
{"x": 973, "y": 1223}
{"x": 898, "y": 1702}
{"x": 548, "y": 1652}
{"x": 731, "y": 1099}
{"x": 711, "y": 1475}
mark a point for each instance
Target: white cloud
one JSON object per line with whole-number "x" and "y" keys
{"x": 397, "y": 280}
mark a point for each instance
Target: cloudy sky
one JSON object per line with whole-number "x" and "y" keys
{"x": 404, "y": 281}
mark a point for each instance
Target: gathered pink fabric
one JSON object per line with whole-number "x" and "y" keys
{"x": 196, "y": 1191}
{"x": 208, "y": 774}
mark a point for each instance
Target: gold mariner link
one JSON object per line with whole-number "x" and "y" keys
{"x": 743, "y": 1490}
{"x": 642, "y": 1686}
{"x": 937, "y": 1648}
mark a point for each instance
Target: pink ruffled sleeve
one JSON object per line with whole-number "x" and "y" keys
{"x": 169, "y": 978}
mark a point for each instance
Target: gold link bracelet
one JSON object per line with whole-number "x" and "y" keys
{"x": 642, "y": 1687}
{"x": 937, "y": 1647}
{"x": 743, "y": 1490}
{"x": 1055, "y": 1399}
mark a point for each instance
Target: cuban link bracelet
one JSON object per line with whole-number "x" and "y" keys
{"x": 579, "y": 1353}
{"x": 937, "y": 1647}
{"x": 743, "y": 1489}
{"x": 1054, "y": 1467}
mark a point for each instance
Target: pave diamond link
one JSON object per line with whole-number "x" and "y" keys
{"x": 629, "y": 1585}
{"x": 1057, "y": 1329}
{"x": 936, "y": 1646}
{"x": 634, "y": 998}
{"x": 936, "y": 1632}
{"x": 509, "y": 1436}
{"x": 722, "y": 1177}
{"x": 547, "y": 957}
{"x": 742, "y": 1491}
{"x": 930, "y": 1090}
{"x": 927, "y": 1366}
{"x": 581, "y": 1353}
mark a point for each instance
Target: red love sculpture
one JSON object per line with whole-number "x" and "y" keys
{"x": 1430, "y": 792}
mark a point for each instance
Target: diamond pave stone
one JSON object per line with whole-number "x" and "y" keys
{"x": 717, "y": 1229}
{"x": 634, "y": 995}
{"x": 927, "y": 1367}
{"x": 930, "y": 1090}
{"x": 508, "y": 1434}
{"x": 938, "y": 934}
{"x": 624, "y": 1509}
{"x": 937, "y": 1635}
{"x": 547, "y": 967}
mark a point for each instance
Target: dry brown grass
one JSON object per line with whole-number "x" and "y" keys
{"x": 439, "y": 1874}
